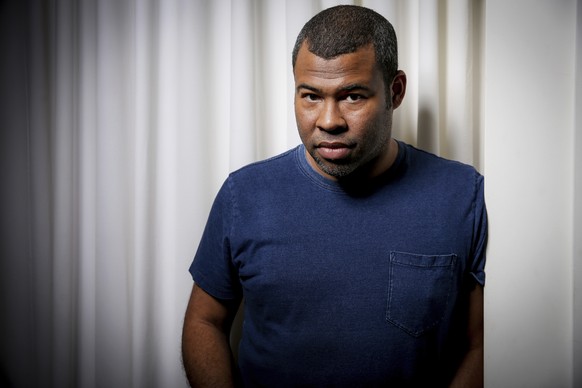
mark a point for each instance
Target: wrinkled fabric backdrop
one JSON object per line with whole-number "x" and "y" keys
{"x": 121, "y": 119}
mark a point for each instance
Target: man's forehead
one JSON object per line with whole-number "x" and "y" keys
{"x": 360, "y": 64}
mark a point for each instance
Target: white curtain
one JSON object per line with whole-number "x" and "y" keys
{"x": 119, "y": 122}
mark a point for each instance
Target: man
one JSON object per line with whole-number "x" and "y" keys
{"x": 360, "y": 258}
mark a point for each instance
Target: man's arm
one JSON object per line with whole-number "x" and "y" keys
{"x": 470, "y": 373}
{"x": 206, "y": 353}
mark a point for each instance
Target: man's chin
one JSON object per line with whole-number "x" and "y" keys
{"x": 336, "y": 168}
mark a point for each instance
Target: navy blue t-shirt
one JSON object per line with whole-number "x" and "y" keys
{"x": 347, "y": 285}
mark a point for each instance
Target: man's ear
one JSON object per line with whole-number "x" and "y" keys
{"x": 398, "y": 88}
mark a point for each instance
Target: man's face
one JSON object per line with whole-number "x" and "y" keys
{"x": 342, "y": 113}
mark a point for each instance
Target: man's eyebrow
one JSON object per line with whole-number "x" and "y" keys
{"x": 352, "y": 87}
{"x": 308, "y": 87}
{"x": 346, "y": 88}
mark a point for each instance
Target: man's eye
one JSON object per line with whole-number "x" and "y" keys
{"x": 354, "y": 97}
{"x": 311, "y": 97}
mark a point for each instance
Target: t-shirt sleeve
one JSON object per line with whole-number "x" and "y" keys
{"x": 479, "y": 233}
{"x": 212, "y": 268}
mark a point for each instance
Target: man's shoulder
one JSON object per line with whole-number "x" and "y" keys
{"x": 269, "y": 168}
{"x": 430, "y": 173}
{"x": 435, "y": 164}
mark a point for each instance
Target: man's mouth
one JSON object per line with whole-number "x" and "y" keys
{"x": 333, "y": 150}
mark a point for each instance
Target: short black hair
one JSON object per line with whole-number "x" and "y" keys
{"x": 343, "y": 29}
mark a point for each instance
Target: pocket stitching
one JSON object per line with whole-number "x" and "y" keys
{"x": 393, "y": 261}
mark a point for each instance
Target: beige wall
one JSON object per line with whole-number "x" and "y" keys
{"x": 529, "y": 164}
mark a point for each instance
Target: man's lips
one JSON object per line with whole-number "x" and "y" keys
{"x": 333, "y": 150}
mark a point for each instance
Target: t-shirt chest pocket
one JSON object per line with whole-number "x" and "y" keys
{"x": 419, "y": 291}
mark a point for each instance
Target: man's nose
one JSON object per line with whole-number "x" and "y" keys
{"x": 330, "y": 118}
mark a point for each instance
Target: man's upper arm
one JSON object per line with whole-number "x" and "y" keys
{"x": 206, "y": 309}
{"x": 475, "y": 322}
{"x": 206, "y": 354}
{"x": 470, "y": 372}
